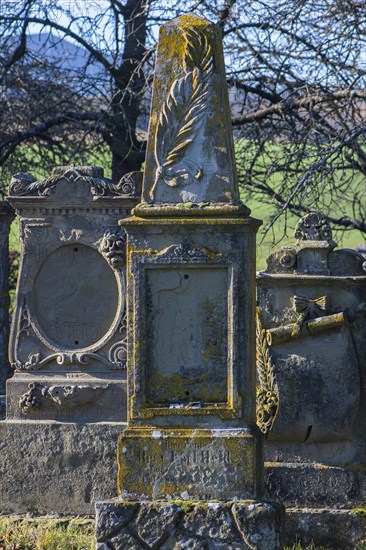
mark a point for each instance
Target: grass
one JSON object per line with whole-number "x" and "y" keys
{"x": 46, "y": 534}
{"x": 68, "y": 534}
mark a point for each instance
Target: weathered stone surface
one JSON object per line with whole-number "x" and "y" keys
{"x": 103, "y": 546}
{"x": 194, "y": 386}
{"x": 190, "y": 525}
{"x": 190, "y": 296}
{"x": 311, "y": 370}
{"x": 110, "y": 519}
{"x": 211, "y": 521}
{"x": 190, "y": 543}
{"x": 190, "y": 166}
{"x": 308, "y": 484}
{"x": 334, "y": 529}
{"x": 56, "y": 468}
{"x": 6, "y": 217}
{"x": 201, "y": 464}
{"x": 78, "y": 397}
{"x": 125, "y": 540}
{"x": 153, "y": 525}
{"x": 258, "y": 524}
{"x": 68, "y": 338}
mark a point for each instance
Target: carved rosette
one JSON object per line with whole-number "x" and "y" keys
{"x": 267, "y": 394}
{"x": 313, "y": 227}
{"x": 183, "y": 114}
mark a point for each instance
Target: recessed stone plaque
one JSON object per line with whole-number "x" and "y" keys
{"x": 187, "y": 335}
{"x": 67, "y": 302}
{"x": 183, "y": 463}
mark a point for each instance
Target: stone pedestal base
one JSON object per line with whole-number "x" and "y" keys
{"x": 179, "y": 525}
{"x": 198, "y": 464}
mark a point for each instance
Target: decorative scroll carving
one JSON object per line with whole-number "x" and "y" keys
{"x": 70, "y": 395}
{"x": 182, "y": 114}
{"x": 113, "y": 247}
{"x": 267, "y": 390}
{"x": 282, "y": 260}
{"x": 35, "y": 361}
{"x": 118, "y": 352}
{"x": 21, "y": 183}
{"x": 313, "y": 227}
{"x": 131, "y": 184}
{"x": 186, "y": 251}
{"x": 25, "y": 184}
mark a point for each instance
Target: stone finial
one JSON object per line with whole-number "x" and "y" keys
{"x": 313, "y": 227}
{"x": 190, "y": 162}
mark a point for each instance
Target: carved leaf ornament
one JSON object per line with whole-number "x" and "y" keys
{"x": 182, "y": 114}
{"x": 267, "y": 395}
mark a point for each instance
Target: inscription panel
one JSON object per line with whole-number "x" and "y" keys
{"x": 187, "y": 342}
{"x": 198, "y": 463}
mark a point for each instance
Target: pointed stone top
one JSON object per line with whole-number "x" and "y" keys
{"x": 190, "y": 164}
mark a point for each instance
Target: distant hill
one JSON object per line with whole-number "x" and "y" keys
{"x": 68, "y": 55}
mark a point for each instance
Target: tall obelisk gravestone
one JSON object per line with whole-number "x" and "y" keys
{"x": 191, "y": 304}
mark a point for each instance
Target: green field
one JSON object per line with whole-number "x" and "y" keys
{"x": 276, "y": 237}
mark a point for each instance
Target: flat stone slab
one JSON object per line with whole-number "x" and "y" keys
{"x": 56, "y": 468}
{"x": 315, "y": 485}
{"x": 200, "y": 464}
{"x": 182, "y": 524}
{"x": 336, "y": 529}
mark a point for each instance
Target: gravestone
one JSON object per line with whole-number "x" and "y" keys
{"x": 68, "y": 338}
{"x": 6, "y": 217}
{"x": 66, "y": 401}
{"x": 191, "y": 437}
{"x": 311, "y": 380}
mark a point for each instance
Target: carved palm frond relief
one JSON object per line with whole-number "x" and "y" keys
{"x": 183, "y": 111}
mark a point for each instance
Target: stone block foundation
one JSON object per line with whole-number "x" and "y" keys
{"x": 190, "y": 525}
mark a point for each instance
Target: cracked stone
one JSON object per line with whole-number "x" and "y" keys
{"x": 125, "y": 541}
{"x": 111, "y": 518}
{"x": 259, "y": 524}
{"x": 153, "y": 525}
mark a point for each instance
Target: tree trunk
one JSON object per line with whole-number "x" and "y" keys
{"x": 127, "y": 151}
